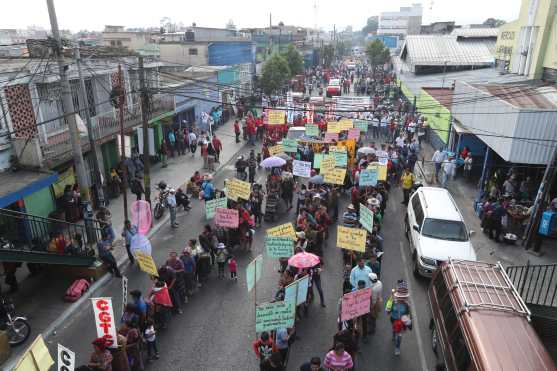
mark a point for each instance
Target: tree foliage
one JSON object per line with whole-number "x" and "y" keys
{"x": 328, "y": 55}
{"x": 295, "y": 60}
{"x": 493, "y": 22}
{"x": 371, "y": 26}
{"x": 377, "y": 53}
{"x": 343, "y": 48}
{"x": 275, "y": 74}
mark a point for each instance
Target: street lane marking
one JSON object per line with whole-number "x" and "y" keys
{"x": 415, "y": 319}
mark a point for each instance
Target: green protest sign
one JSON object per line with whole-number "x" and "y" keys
{"x": 212, "y": 205}
{"x": 317, "y": 158}
{"x": 312, "y": 130}
{"x": 362, "y": 125}
{"x": 290, "y": 145}
{"x": 366, "y": 218}
{"x": 253, "y": 272}
{"x": 272, "y": 316}
{"x": 341, "y": 159}
{"x": 279, "y": 247}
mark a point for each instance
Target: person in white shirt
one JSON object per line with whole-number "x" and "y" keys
{"x": 171, "y": 201}
{"x": 438, "y": 158}
{"x": 384, "y": 127}
{"x": 399, "y": 141}
{"x": 376, "y": 301}
{"x": 375, "y": 127}
{"x": 449, "y": 167}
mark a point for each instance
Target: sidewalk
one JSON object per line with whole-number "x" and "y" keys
{"x": 40, "y": 298}
{"x": 464, "y": 192}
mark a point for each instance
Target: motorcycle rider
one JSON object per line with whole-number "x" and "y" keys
{"x": 182, "y": 199}
{"x": 241, "y": 165}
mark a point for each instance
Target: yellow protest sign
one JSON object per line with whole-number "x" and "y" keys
{"x": 276, "y": 117}
{"x": 381, "y": 170}
{"x": 236, "y": 188}
{"x": 146, "y": 263}
{"x": 346, "y": 124}
{"x": 327, "y": 164}
{"x": 334, "y": 176}
{"x": 283, "y": 230}
{"x": 351, "y": 238}
{"x": 337, "y": 149}
{"x": 276, "y": 149}
{"x": 36, "y": 358}
{"x": 333, "y": 127}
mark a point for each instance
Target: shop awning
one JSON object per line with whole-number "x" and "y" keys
{"x": 161, "y": 117}
{"x": 17, "y": 185}
{"x": 459, "y": 128}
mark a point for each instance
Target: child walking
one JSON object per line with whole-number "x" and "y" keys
{"x": 151, "y": 340}
{"x": 233, "y": 268}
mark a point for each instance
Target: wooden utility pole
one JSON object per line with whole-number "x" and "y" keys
{"x": 121, "y": 105}
{"x": 145, "y": 130}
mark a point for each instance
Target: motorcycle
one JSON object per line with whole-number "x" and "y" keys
{"x": 17, "y": 328}
{"x": 161, "y": 203}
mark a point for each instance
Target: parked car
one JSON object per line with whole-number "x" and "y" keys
{"x": 334, "y": 88}
{"x": 435, "y": 229}
{"x": 480, "y": 322}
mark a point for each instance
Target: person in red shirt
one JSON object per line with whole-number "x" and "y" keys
{"x": 251, "y": 131}
{"x": 264, "y": 347}
{"x": 259, "y": 128}
{"x": 237, "y": 130}
{"x": 217, "y": 146}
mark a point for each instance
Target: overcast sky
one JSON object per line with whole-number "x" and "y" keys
{"x": 94, "y": 14}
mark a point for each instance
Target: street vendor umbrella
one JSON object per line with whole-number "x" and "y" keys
{"x": 366, "y": 150}
{"x": 304, "y": 260}
{"x": 317, "y": 179}
{"x": 273, "y": 161}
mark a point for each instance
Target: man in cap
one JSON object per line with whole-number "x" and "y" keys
{"x": 376, "y": 302}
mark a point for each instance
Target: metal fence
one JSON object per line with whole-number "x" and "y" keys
{"x": 536, "y": 284}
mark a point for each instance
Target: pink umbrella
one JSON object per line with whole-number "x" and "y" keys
{"x": 304, "y": 260}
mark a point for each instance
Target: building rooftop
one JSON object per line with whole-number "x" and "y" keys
{"x": 475, "y": 32}
{"x": 442, "y": 95}
{"x": 440, "y": 50}
{"x": 530, "y": 96}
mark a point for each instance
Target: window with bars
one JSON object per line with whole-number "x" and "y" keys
{"x": 90, "y": 94}
{"x": 50, "y": 103}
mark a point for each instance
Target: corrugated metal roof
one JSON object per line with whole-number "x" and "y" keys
{"x": 523, "y": 96}
{"x": 438, "y": 50}
{"x": 475, "y": 32}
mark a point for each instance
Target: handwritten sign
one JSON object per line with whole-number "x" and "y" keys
{"x": 236, "y": 188}
{"x": 346, "y": 124}
{"x": 276, "y": 117}
{"x": 355, "y": 304}
{"x": 354, "y": 133}
{"x": 341, "y": 158}
{"x": 290, "y": 145}
{"x": 211, "y": 206}
{"x": 276, "y": 149}
{"x": 366, "y": 218}
{"x": 381, "y": 170}
{"x": 146, "y": 263}
{"x": 272, "y": 316}
{"x": 335, "y": 176}
{"x": 35, "y": 358}
{"x": 301, "y": 168}
{"x": 327, "y": 164}
{"x": 317, "y": 159}
{"x": 329, "y": 137}
{"x": 362, "y": 125}
{"x": 104, "y": 320}
{"x": 297, "y": 291}
{"x": 227, "y": 218}
{"x": 368, "y": 177}
{"x": 253, "y": 272}
{"x": 333, "y": 127}
{"x": 279, "y": 247}
{"x": 283, "y": 230}
{"x": 351, "y": 238}
{"x": 312, "y": 130}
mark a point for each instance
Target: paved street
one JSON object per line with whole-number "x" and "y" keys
{"x": 217, "y": 327}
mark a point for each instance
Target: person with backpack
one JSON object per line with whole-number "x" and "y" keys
{"x": 264, "y": 347}
{"x": 398, "y": 308}
{"x": 137, "y": 188}
{"x": 208, "y": 188}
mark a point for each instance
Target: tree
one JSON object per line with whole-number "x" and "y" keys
{"x": 343, "y": 48}
{"x": 493, "y": 22}
{"x": 371, "y": 26}
{"x": 275, "y": 74}
{"x": 295, "y": 60}
{"x": 328, "y": 54}
{"x": 377, "y": 53}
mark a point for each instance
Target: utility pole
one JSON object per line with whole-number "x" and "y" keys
{"x": 92, "y": 147}
{"x": 69, "y": 116}
{"x": 534, "y": 223}
{"x": 145, "y": 130}
{"x": 269, "y": 40}
{"x": 121, "y": 105}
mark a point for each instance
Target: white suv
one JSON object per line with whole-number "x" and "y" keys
{"x": 436, "y": 230}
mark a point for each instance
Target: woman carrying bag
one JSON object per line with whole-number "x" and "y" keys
{"x": 398, "y": 307}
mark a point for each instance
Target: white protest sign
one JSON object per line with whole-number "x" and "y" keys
{"x": 104, "y": 320}
{"x": 66, "y": 359}
{"x": 301, "y": 168}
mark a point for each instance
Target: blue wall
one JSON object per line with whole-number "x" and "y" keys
{"x": 231, "y": 53}
{"x": 389, "y": 41}
{"x": 202, "y": 96}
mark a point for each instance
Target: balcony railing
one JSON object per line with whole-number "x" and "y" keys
{"x": 58, "y": 149}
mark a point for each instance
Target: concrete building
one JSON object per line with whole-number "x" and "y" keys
{"x": 407, "y": 21}
{"x": 438, "y": 28}
{"x": 119, "y": 37}
{"x": 206, "y": 34}
{"x": 527, "y": 46}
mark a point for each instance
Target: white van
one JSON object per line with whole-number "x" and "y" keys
{"x": 436, "y": 230}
